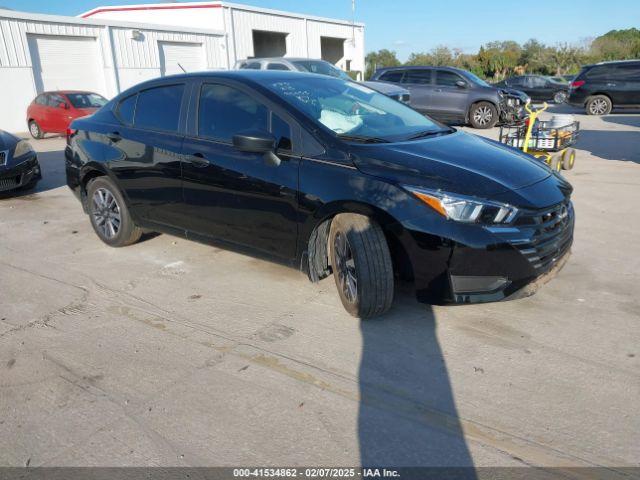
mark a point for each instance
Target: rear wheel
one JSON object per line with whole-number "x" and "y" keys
{"x": 362, "y": 267}
{"x": 483, "y": 115}
{"x": 599, "y": 105}
{"x": 35, "y": 130}
{"x": 560, "y": 97}
{"x": 109, "y": 215}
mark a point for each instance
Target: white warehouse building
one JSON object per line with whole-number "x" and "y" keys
{"x": 108, "y": 49}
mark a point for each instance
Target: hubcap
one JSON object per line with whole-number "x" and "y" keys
{"x": 560, "y": 98}
{"x": 345, "y": 268}
{"x": 598, "y": 106}
{"x": 34, "y": 129}
{"x": 483, "y": 115}
{"x": 106, "y": 212}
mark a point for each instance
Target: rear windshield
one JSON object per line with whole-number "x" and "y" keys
{"x": 321, "y": 68}
{"x": 86, "y": 100}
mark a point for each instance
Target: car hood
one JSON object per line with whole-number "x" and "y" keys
{"x": 386, "y": 88}
{"x": 7, "y": 141}
{"x": 458, "y": 163}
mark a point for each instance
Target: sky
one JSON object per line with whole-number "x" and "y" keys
{"x": 419, "y": 25}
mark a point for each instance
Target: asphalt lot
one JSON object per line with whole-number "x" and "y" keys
{"x": 173, "y": 353}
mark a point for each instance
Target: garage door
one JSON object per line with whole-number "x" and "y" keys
{"x": 174, "y": 55}
{"x": 66, "y": 63}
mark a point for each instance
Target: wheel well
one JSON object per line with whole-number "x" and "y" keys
{"x": 90, "y": 175}
{"x": 316, "y": 262}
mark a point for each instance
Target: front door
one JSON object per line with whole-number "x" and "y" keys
{"x": 237, "y": 196}
{"x": 450, "y": 100}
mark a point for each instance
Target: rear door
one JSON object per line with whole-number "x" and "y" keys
{"x": 232, "y": 195}
{"x": 449, "y": 99}
{"x": 145, "y": 151}
{"x": 419, "y": 82}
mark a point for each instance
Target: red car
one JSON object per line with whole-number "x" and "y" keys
{"x": 52, "y": 112}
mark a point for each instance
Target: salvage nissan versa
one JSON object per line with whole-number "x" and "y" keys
{"x": 327, "y": 175}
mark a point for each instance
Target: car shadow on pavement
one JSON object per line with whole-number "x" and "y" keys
{"x": 611, "y": 145}
{"x": 53, "y": 175}
{"x": 407, "y": 414}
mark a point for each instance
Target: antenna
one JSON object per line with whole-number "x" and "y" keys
{"x": 181, "y": 67}
{"x": 353, "y": 22}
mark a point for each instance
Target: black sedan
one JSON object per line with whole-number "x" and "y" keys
{"x": 538, "y": 87}
{"x": 327, "y": 175}
{"x": 19, "y": 167}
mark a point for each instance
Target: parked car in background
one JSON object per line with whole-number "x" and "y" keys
{"x": 19, "y": 167}
{"x": 52, "y": 112}
{"x": 327, "y": 175}
{"x": 538, "y": 87}
{"x": 320, "y": 67}
{"x": 601, "y": 87}
{"x": 453, "y": 95}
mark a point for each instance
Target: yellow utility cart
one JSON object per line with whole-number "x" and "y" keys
{"x": 550, "y": 141}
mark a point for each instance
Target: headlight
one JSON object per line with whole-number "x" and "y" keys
{"x": 465, "y": 209}
{"x": 22, "y": 148}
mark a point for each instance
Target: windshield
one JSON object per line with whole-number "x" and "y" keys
{"x": 353, "y": 110}
{"x": 476, "y": 79}
{"x": 321, "y": 68}
{"x": 86, "y": 100}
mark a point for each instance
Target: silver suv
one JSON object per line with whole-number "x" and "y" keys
{"x": 321, "y": 67}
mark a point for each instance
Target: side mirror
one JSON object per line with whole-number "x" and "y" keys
{"x": 257, "y": 141}
{"x": 63, "y": 105}
{"x": 461, "y": 84}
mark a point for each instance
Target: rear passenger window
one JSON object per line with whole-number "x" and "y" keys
{"x": 601, "y": 72}
{"x": 629, "y": 71}
{"x": 126, "y": 109}
{"x": 159, "y": 108}
{"x": 225, "y": 111}
{"x": 393, "y": 77}
{"x": 418, "y": 76}
{"x": 252, "y": 66}
{"x": 41, "y": 99}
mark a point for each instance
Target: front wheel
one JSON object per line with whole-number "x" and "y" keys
{"x": 483, "y": 115}
{"x": 599, "y": 105}
{"x": 362, "y": 267}
{"x": 34, "y": 130}
{"x": 109, "y": 215}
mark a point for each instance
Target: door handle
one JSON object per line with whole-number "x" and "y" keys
{"x": 437, "y": 90}
{"x": 198, "y": 160}
{"x": 114, "y": 136}
{"x": 611, "y": 84}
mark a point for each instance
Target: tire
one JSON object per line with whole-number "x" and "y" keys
{"x": 483, "y": 115}
{"x": 35, "y": 130}
{"x": 109, "y": 215}
{"x": 568, "y": 159}
{"x": 560, "y": 97}
{"x": 362, "y": 267}
{"x": 598, "y": 105}
{"x": 556, "y": 163}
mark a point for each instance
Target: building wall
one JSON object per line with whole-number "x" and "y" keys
{"x": 124, "y": 60}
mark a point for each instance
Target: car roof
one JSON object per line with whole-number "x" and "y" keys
{"x": 613, "y": 62}
{"x": 422, "y": 67}
{"x": 247, "y": 76}
{"x": 286, "y": 59}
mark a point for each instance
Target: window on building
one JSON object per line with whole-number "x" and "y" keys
{"x": 159, "y": 108}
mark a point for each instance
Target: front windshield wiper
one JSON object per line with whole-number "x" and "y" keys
{"x": 429, "y": 133}
{"x": 361, "y": 138}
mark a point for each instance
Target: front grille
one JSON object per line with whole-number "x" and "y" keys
{"x": 549, "y": 235}
{"x": 9, "y": 183}
{"x": 3, "y": 158}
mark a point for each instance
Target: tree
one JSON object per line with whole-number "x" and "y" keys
{"x": 617, "y": 45}
{"x": 380, "y": 59}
